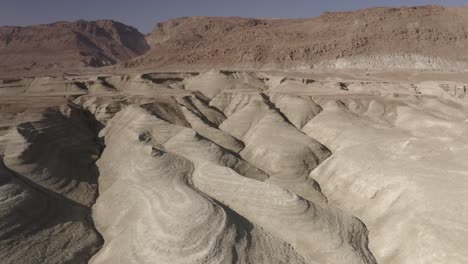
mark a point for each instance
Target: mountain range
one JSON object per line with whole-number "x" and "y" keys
{"x": 422, "y": 38}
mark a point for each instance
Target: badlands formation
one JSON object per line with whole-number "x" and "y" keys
{"x": 299, "y": 153}
{"x": 232, "y": 167}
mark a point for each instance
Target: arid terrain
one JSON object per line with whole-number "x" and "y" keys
{"x": 67, "y": 46}
{"x": 232, "y": 140}
{"x": 407, "y": 38}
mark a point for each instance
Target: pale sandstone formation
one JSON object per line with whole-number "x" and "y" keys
{"x": 48, "y": 182}
{"x": 147, "y": 201}
{"x": 263, "y": 168}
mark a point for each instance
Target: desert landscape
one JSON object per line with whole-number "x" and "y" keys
{"x": 336, "y": 139}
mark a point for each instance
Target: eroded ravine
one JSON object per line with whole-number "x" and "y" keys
{"x": 49, "y": 183}
{"x": 143, "y": 128}
{"x": 225, "y": 167}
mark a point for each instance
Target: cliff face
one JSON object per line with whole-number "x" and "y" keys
{"x": 406, "y": 38}
{"x": 424, "y": 35}
{"x": 69, "y": 45}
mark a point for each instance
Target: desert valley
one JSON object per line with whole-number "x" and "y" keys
{"x": 336, "y": 139}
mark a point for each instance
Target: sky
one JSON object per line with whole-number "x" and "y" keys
{"x": 144, "y": 14}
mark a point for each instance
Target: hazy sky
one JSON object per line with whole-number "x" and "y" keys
{"x": 144, "y": 14}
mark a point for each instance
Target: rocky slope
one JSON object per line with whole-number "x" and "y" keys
{"x": 406, "y": 38}
{"x": 427, "y": 37}
{"x": 48, "y": 182}
{"x": 68, "y": 45}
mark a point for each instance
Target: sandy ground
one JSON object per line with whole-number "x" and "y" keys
{"x": 234, "y": 167}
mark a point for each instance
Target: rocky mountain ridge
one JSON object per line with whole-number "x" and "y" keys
{"x": 426, "y": 37}
{"x": 68, "y": 45}
{"x": 380, "y": 39}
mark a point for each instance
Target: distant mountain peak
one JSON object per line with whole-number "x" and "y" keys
{"x": 66, "y": 45}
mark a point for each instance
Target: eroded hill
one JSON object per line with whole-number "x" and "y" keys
{"x": 232, "y": 167}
